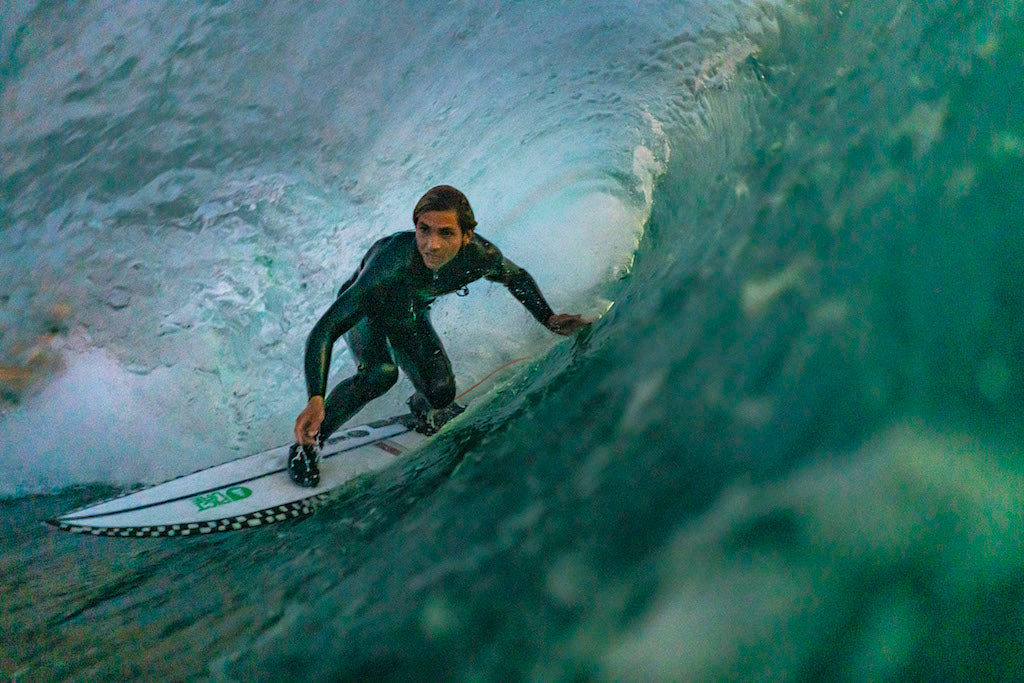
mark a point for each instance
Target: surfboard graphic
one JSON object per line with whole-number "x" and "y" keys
{"x": 247, "y": 492}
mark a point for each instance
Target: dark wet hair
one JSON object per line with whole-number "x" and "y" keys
{"x": 446, "y": 198}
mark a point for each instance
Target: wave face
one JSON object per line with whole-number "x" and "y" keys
{"x": 791, "y": 447}
{"x": 184, "y": 189}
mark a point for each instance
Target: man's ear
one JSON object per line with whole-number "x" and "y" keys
{"x": 467, "y": 235}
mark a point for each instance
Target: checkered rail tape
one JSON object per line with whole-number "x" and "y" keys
{"x": 278, "y": 513}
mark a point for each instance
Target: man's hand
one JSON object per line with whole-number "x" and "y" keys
{"x": 308, "y": 422}
{"x": 565, "y": 323}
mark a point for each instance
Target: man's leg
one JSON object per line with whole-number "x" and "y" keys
{"x": 376, "y": 374}
{"x": 421, "y": 355}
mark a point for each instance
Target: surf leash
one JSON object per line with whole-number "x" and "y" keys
{"x": 492, "y": 374}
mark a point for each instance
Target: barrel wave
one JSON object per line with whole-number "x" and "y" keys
{"x": 790, "y": 447}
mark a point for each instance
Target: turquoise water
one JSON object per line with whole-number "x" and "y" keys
{"x": 790, "y": 448}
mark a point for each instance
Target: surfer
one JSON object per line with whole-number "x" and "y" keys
{"x": 384, "y": 308}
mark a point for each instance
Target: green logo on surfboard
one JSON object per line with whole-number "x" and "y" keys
{"x": 212, "y": 500}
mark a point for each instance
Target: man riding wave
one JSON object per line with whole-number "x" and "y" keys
{"x": 383, "y": 310}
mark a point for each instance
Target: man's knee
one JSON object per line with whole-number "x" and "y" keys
{"x": 379, "y": 378}
{"x": 441, "y": 391}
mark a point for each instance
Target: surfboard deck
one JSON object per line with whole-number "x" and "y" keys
{"x": 253, "y": 490}
{"x": 244, "y": 493}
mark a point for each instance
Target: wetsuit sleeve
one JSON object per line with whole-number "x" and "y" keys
{"x": 348, "y": 283}
{"x": 523, "y": 287}
{"x": 345, "y": 312}
{"x": 339, "y": 318}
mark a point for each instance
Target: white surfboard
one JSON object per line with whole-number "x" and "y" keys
{"x": 251, "y": 491}
{"x": 243, "y": 493}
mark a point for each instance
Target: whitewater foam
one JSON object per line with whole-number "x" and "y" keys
{"x": 97, "y": 422}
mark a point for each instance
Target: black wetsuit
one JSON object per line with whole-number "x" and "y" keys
{"x": 388, "y": 300}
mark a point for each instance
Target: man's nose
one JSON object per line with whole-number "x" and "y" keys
{"x": 434, "y": 242}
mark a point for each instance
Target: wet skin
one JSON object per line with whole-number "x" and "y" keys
{"x": 439, "y": 238}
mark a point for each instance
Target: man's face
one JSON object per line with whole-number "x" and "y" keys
{"x": 439, "y": 237}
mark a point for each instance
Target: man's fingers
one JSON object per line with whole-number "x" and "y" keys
{"x": 566, "y": 324}
{"x": 310, "y": 427}
{"x": 306, "y": 428}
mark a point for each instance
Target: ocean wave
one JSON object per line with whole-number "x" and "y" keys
{"x": 790, "y": 447}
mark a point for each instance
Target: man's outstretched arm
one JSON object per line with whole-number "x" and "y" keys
{"x": 339, "y": 318}
{"x": 525, "y": 289}
{"x": 374, "y": 271}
